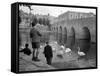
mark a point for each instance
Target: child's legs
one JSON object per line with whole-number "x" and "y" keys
{"x": 37, "y": 53}
{"x": 33, "y": 55}
{"x": 37, "y": 49}
{"x": 49, "y": 59}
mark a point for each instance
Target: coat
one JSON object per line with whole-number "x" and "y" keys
{"x": 35, "y": 35}
{"x": 26, "y": 51}
{"x": 48, "y": 51}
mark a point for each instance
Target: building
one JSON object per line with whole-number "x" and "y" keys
{"x": 77, "y": 20}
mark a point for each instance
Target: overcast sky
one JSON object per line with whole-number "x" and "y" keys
{"x": 54, "y": 11}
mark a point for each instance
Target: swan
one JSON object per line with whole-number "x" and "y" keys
{"x": 80, "y": 53}
{"x": 62, "y": 47}
{"x": 68, "y": 50}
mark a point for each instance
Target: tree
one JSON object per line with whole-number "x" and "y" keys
{"x": 40, "y": 21}
{"x": 34, "y": 22}
{"x": 44, "y": 21}
{"x": 48, "y": 23}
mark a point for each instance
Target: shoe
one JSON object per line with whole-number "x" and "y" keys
{"x": 37, "y": 59}
{"x": 33, "y": 59}
{"x": 49, "y": 63}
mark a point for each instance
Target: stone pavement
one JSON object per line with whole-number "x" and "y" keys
{"x": 65, "y": 61}
{"x": 26, "y": 64}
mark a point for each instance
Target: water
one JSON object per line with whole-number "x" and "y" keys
{"x": 67, "y": 61}
{"x": 84, "y": 44}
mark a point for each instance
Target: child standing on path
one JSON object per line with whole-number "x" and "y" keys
{"x": 48, "y": 53}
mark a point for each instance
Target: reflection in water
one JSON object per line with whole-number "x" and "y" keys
{"x": 70, "y": 42}
{"x": 57, "y": 34}
{"x": 84, "y": 42}
{"x": 71, "y": 38}
{"x": 60, "y": 35}
{"x": 24, "y": 36}
{"x": 65, "y": 36}
{"x": 45, "y": 37}
{"x": 86, "y": 34}
{"x": 84, "y": 45}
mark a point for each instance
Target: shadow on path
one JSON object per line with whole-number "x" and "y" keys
{"x": 65, "y": 65}
{"x": 34, "y": 63}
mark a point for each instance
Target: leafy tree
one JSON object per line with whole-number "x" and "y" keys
{"x": 34, "y": 22}
{"x": 48, "y": 24}
{"x": 40, "y": 21}
{"x": 44, "y": 21}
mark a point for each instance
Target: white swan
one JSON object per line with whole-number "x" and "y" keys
{"x": 62, "y": 47}
{"x": 80, "y": 53}
{"x": 68, "y": 50}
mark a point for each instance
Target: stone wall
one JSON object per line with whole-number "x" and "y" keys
{"x": 78, "y": 24}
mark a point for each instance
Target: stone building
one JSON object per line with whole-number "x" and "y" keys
{"x": 78, "y": 21}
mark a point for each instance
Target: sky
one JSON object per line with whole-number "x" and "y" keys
{"x": 53, "y": 11}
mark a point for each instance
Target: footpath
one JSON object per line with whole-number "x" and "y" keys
{"x": 67, "y": 61}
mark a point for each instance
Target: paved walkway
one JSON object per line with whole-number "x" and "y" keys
{"x": 66, "y": 61}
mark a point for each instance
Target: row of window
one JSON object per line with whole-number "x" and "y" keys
{"x": 57, "y": 28}
{"x": 77, "y": 16}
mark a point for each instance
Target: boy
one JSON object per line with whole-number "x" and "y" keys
{"x": 26, "y": 50}
{"x": 35, "y": 39}
{"x": 48, "y": 53}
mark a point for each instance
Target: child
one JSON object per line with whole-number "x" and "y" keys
{"x": 26, "y": 50}
{"x": 48, "y": 53}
